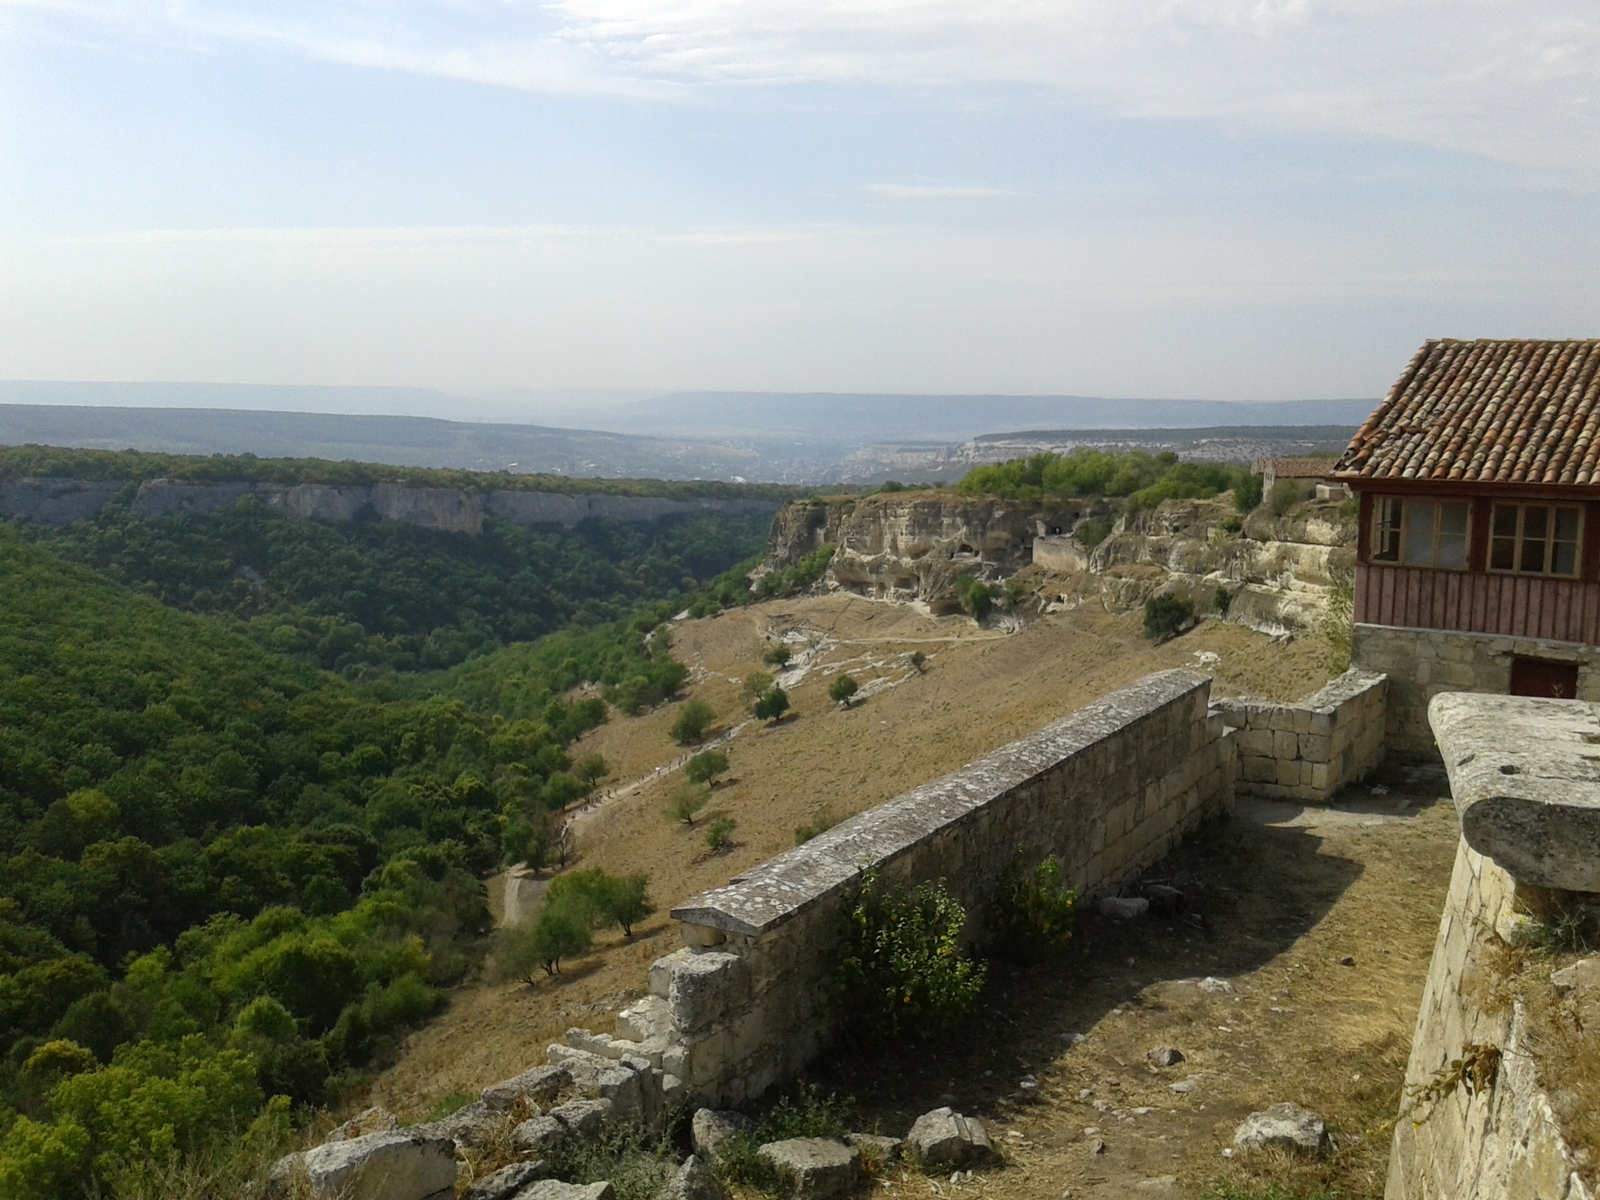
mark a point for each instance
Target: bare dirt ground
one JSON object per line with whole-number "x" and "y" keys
{"x": 979, "y": 690}
{"x": 1279, "y": 895}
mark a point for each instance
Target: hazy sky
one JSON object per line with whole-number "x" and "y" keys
{"x": 1242, "y": 199}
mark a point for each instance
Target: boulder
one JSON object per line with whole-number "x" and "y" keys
{"x": 584, "y": 1066}
{"x": 554, "y": 1189}
{"x": 538, "y": 1135}
{"x": 820, "y": 1167}
{"x": 1583, "y": 975}
{"x": 369, "y": 1120}
{"x": 711, "y": 1128}
{"x": 945, "y": 1138}
{"x": 694, "y": 1181}
{"x": 583, "y": 1118}
{"x": 471, "y": 1125}
{"x": 540, "y": 1085}
{"x": 507, "y": 1181}
{"x": 1213, "y": 986}
{"x": 1124, "y": 907}
{"x": 1283, "y": 1125}
{"x": 397, "y": 1165}
{"x": 1164, "y": 1056}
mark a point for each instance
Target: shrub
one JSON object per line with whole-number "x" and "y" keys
{"x": 1221, "y": 599}
{"x": 591, "y": 769}
{"x": 559, "y": 930}
{"x": 776, "y": 655}
{"x": 694, "y": 718}
{"x": 771, "y": 706}
{"x": 1091, "y": 531}
{"x": 706, "y": 767}
{"x": 902, "y": 972}
{"x": 976, "y": 597}
{"x": 719, "y": 836}
{"x": 1032, "y": 910}
{"x": 1247, "y": 494}
{"x": 756, "y": 685}
{"x": 842, "y": 689}
{"x": 686, "y": 800}
{"x": 807, "y": 1113}
{"x": 918, "y": 661}
{"x": 1336, "y": 620}
{"x": 1286, "y": 493}
{"x": 608, "y": 899}
{"x": 1165, "y": 616}
{"x": 738, "y": 1161}
{"x": 1231, "y": 523}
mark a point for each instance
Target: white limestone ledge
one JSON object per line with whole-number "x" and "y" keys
{"x": 1525, "y": 774}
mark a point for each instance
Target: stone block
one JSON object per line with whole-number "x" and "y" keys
{"x": 582, "y": 1118}
{"x": 1302, "y": 720}
{"x": 945, "y": 1138}
{"x": 704, "y": 989}
{"x": 694, "y": 1180}
{"x": 1321, "y": 777}
{"x": 540, "y": 1084}
{"x": 1260, "y": 770}
{"x": 1289, "y": 773}
{"x": 1285, "y": 745}
{"x": 507, "y": 1181}
{"x": 554, "y": 1189}
{"x": 394, "y": 1165}
{"x": 646, "y": 1020}
{"x": 1283, "y": 1126}
{"x": 711, "y": 1128}
{"x": 820, "y": 1167}
{"x": 539, "y": 1136}
{"x": 1313, "y": 748}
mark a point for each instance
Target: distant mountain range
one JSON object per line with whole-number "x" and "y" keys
{"x": 755, "y": 436}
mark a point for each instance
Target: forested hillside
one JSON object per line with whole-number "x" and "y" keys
{"x": 230, "y": 876}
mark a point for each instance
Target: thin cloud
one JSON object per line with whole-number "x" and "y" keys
{"x": 920, "y": 191}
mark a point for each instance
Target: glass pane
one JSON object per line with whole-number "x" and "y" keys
{"x": 1505, "y": 520}
{"x": 1532, "y": 556}
{"x": 1453, "y": 552}
{"x": 1564, "y": 559}
{"x": 1567, "y": 524}
{"x": 1503, "y": 554}
{"x": 1419, "y": 533}
{"x": 1535, "y": 521}
{"x": 1453, "y": 519}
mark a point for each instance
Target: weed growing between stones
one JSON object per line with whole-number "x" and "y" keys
{"x": 738, "y": 1161}
{"x": 1266, "y": 1191}
{"x": 807, "y": 1113}
{"x": 637, "y": 1163}
{"x": 1559, "y": 932}
{"x": 1032, "y": 911}
{"x": 902, "y": 972}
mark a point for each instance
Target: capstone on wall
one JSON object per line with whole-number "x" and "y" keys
{"x": 1108, "y": 790}
{"x": 1310, "y": 749}
{"x": 1422, "y": 663}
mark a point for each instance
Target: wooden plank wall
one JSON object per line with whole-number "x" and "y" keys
{"x": 1562, "y": 610}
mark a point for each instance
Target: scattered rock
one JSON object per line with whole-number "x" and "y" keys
{"x": 1584, "y": 973}
{"x": 1097, "y": 1146}
{"x": 370, "y": 1120}
{"x": 711, "y": 1128}
{"x": 694, "y": 1181}
{"x": 1165, "y": 901}
{"x": 538, "y": 1135}
{"x": 584, "y": 1118}
{"x": 507, "y": 1181}
{"x": 1165, "y": 1056}
{"x": 1072, "y": 1039}
{"x": 1347, "y": 961}
{"x": 821, "y": 1167}
{"x": 946, "y": 1138}
{"x": 1159, "y": 1183}
{"x": 471, "y": 1125}
{"x": 1183, "y": 1088}
{"x": 1284, "y": 1125}
{"x": 1214, "y": 986}
{"x": 541, "y": 1085}
{"x": 877, "y": 1146}
{"x": 554, "y": 1189}
{"x": 376, "y": 1166}
{"x": 1124, "y": 907}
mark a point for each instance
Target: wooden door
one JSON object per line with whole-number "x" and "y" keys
{"x": 1539, "y": 677}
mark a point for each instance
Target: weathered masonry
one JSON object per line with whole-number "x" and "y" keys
{"x": 1310, "y": 749}
{"x": 1108, "y": 790}
{"x": 1479, "y": 485}
{"x": 1529, "y": 803}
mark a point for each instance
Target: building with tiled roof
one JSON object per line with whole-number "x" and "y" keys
{"x": 1478, "y": 565}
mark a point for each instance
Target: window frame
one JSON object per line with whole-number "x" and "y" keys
{"x": 1389, "y": 516}
{"x": 1522, "y": 506}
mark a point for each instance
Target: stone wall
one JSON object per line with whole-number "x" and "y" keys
{"x": 1502, "y": 1143}
{"x": 1108, "y": 790}
{"x": 1524, "y": 785}
{"x": 1310, "y": 749}
{"x": 1421, "y": 663}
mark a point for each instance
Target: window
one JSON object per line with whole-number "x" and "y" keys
{"x": 1419, "y": 533}
{"x": 1535, "y": 539}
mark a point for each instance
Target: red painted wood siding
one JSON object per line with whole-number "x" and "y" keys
{"x": 1563, "y": 610}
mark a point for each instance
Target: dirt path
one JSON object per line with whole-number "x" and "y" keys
{"x": 1285, "y": 894}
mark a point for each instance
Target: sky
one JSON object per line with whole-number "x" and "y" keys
{"x": 1229, "y": 199}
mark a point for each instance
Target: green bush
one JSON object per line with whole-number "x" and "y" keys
{"x": 719, "y": 834}
{"x": 1165, "y": 616}
{"x": 1091, "y": 531}
{"x": 694, "y": 718}
{"x": 976, "y": 597}
{"x": 1032, "y": 911}
{"x": 560, "y": 929}
{"x": 771, "y": 705}
{"x": 842, "y": 689}
{"x": 807, "y": 1113}
{"x": 685, "y": 801}
{"x": 706, "y": 767}
{"x": 776, "y": 655}
{"x": 1221, "y": 599}
{"x": 738, "y": 1162}
{"x": 1286, "y": 494}
{"x": 621, "y": 900}
{"x": 1247, "y": 493}
{"x": 902, "y": 973}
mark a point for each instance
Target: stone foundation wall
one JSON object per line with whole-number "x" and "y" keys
{"x": 1310, "y": 749}
{"x": 1502, "y": 1143}
{"x": 1421, "y": 663}
{"x": 1108, "y": 790}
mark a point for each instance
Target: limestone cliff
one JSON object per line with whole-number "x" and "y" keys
{"x": 60, "y": 501}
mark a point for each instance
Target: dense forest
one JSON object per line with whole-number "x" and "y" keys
{"x": 253, "y": 770}
{"x": 1145, "y": 479}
